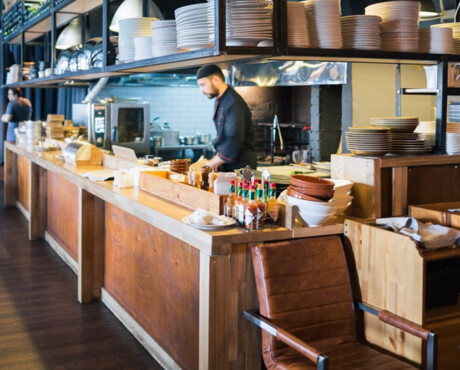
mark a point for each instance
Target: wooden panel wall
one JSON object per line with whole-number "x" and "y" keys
{"x": 155, "y": 277}
{"x": 391, "y": 277}
{"x": 63, "y": 213}
{"x": 23, "y": 181}
{"x": 433, "y": 184}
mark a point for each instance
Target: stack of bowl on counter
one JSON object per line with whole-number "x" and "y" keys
{"x": 394, "y": 135}
{"x": 318, "y": 199}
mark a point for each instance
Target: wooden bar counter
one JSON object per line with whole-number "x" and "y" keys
{"x": 181, "y": 291}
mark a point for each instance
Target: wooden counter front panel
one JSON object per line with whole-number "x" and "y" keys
{"x": 155, "y": 277}
{"x": 63, "y": 213}
{"x": 433, "y": 184}
{"x": 23, "y": 181}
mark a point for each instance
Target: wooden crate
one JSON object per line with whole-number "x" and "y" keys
{"x": 158, "y": 183}
{"x": 437, "y": 213}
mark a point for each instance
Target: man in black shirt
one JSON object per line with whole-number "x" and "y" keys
{"x": 18, "y": 109}
{"x": 234, "y": 142}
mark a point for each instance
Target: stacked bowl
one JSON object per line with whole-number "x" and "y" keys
{"x": 342, "y": 195}
{"x": 312, "y": 196}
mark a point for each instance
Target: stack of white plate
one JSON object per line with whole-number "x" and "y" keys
{"x": 368, "y": 141}
{"x": 408, "y": 143}
{"x": 129, "y": 29}
{"x": 164, "y": 38}
{"x": 453, "y": 111}
{"x": 248, "y": 22}
{"x": 142, "y": 47}
{"x": 192, "y": 27}
{"x": 453, "y": 137}
{"x": 297, "y": 26}
{"x": 453, "y": 143}
{"x": 427, "y": 131}
{"x": 396, "y": 124}
{"x": 324, "y": 25}
{"x": 455, "y": 26}
{"x": 435, "y": 40}
{"x": 399, "y": 24}
{"x": 361, "y": 32}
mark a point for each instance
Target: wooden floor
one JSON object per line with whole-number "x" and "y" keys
{"x": 42, "y": 326}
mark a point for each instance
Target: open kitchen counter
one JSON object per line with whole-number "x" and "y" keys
{"x": 179, "y": 290}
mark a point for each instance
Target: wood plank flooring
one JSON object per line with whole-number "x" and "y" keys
{"x": 42, "y": 325}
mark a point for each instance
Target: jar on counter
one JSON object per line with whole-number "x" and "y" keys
{"x": 205, "y": 170}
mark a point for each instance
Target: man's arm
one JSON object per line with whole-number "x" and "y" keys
{"x": 215, "y": 162}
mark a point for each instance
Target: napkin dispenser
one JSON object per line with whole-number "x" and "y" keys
{"x": 82, "y": 154}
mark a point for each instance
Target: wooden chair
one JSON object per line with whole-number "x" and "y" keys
{"x": 307, "y": 311}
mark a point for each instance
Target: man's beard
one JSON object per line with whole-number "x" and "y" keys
{"x": 212, "y": 95}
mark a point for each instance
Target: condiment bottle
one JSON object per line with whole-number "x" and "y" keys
{"x": 211, "y": 178}
{"x": 230, "y": 203}
{"x": 205, "y": 177}
{"x": 272, "y": 207}
{"x": 242, "y": 204}
{"x": 261, "y": 205}
{"x": 251, "y": 211}
{"x": 238, "y": 200}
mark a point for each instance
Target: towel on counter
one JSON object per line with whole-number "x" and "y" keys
{"x": 430, "y": 236}
{"x": 100, "y": 175}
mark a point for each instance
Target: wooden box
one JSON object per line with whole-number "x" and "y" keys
{"x": 158, "y": 183}
{"x": 395, "y": 275}
{"x": 437, "y": 213}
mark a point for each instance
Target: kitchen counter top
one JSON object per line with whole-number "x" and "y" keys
{"x": 159, "y": 212}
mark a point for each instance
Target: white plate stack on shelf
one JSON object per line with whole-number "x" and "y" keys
{"x": 368, "y": 141}
{"x": 192, "y": 27}
{"x": 403, "y": 139}
{"x": 297, "y": 26}
{"x": 399, "y": 24}
{"x": 435, "y": 40}
{"x": 324, "y": 25}
{"x": 453, "y": 128}
{"x": 248, "y": 22}
{"x": 164, "y": 38}
{"x": 427, "y": 131}
{"x": 361, "y": 32}
{"x": 131, "y": 28}
{"x": 455, "y": 26}
{"x": 142, "y": 47}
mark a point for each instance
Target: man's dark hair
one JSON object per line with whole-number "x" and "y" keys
{"x": 210, "y": 70}
{"x": 16, "y": 91}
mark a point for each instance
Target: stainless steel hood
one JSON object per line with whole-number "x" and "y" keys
{"x": 263, "y": 73}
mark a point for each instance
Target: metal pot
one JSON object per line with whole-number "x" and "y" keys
{"x": 190, "y": 140}
{"x": 157, "y": 141}
{"x": 204, "y": 138}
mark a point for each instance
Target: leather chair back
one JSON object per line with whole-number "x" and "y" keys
{"x": 304, "y": 287}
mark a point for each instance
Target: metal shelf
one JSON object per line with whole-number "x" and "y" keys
{"x": 406, "y": 91}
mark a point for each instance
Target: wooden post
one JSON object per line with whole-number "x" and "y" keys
{"x": 10, "y": 178}
{"x": 399, "y": 199}
{"x": 38, "y": 200}
{"x": 91, "y": 238}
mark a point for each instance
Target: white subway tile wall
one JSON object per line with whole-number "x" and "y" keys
{"x": 184, "y": 108}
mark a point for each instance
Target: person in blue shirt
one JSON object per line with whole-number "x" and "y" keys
{"x": 18, "y": 109}
{"x": 234, "y": 142}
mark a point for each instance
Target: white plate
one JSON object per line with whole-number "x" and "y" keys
{"x": 231, "y": 222}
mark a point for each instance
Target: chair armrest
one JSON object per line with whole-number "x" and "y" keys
{"x": 408, "y": 326}
{"x": 292, "y": 341}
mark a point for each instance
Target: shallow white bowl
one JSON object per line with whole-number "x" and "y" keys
{"x": 314, "y": 219}
{"x": 310, "y": 206}
{"x": 342, "y": 187}
{"x": 340, "y": 201}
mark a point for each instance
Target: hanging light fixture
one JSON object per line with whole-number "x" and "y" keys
{"x": 70, "y": 36}
{"x": 429, "y": 12}
{"x": 133, "y": 9}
